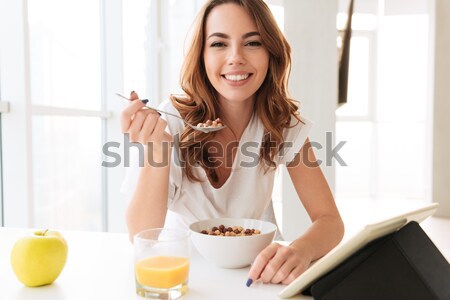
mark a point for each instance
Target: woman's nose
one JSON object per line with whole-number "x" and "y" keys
{"x": 236, "y": 56}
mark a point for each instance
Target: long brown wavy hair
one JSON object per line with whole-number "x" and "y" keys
{"x": 272, "y": 104}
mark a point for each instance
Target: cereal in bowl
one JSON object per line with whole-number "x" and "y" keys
{"x": 230, "y": 231}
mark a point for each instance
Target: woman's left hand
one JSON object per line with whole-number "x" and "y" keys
{"x": 279, "y": 264}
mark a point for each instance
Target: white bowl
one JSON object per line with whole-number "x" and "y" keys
{"x": 231, "y": 252}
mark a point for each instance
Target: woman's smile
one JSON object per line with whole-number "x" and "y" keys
{"x": 237, "y": 79}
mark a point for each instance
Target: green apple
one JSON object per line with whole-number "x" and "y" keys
{"x": 38, "y": 259}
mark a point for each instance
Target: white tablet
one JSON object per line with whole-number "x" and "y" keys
{"x": 344, "y": 250}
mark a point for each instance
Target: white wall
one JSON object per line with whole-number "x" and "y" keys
{"x": 441, "y": 136}
{"x": 310, "y": 27}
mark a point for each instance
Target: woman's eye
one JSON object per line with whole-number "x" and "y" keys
{"x": 254, "y": 44}
{"x": 217, "y": 44}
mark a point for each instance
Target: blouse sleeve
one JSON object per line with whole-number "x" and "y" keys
{"x": 294, "y": 138}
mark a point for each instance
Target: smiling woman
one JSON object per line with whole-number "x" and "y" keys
{"x": 236, "y": 68}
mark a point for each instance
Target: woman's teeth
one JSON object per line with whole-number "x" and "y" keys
{"x": 237, "y": 77}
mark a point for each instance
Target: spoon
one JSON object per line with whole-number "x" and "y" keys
{"x": 195, "y": 127}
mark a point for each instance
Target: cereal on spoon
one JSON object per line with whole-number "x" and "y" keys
{"x": 208, "y": 124}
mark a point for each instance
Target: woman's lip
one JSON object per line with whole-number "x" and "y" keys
{"x": 236, "y": 73}
{"x": 237, "y": 83}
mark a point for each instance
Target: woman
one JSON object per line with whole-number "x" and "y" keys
{"x": 237, "y": 70}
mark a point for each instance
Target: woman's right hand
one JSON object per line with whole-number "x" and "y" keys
{"x": 144, "y": 125}
{"x": 147, "y": 207}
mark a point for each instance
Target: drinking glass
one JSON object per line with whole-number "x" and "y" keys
{"x": 162, "y": 263}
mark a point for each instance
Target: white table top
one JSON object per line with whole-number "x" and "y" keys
{"x": 100, "y": 266}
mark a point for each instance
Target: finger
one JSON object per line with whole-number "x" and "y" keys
{"x": 160, "y": 129}
{"x": 273, "y": 266}
{"x": 127, "y": 114}
{"x": 284, "y": 270}
{"x": 148, "y": 127}
{"x": 136, "y": 124}
{"x": 261, "y": 261}
{"x": 133, "y": 95}
{"x": 296, "y": 272}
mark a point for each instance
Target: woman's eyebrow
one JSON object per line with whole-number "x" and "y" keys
{"x": 226, "y": 36}
{"x": 249, "y": 34}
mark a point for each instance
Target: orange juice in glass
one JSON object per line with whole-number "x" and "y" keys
{"x": 162, "y": 263}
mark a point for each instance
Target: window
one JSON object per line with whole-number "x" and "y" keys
{"x": 385, "y": 121}
{"x": 53, "y": 74}
{"x": 354, "y": 119}
{"x": 65, "y": 74}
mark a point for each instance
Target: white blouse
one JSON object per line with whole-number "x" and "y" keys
{"x": 247, "y": 193}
